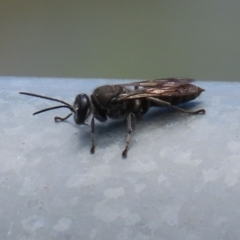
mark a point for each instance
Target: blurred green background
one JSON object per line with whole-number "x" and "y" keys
{"x": 131, "y": 39}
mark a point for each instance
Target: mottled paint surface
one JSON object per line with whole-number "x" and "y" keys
{"x": 180, "y": 180}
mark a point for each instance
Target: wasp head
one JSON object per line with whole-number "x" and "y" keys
{"x": 82, "y": 108}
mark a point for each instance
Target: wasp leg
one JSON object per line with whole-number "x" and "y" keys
{"x": 62, "y": 119}
{"x": 168, "y": 105}
{"x": 92, "y": 135}
{"x": 129, "y": 127}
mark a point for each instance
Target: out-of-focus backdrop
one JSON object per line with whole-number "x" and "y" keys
{"x": 120, "y": 39}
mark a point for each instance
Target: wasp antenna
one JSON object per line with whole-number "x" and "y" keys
{"x": 48, "y": 98}
{"x": 52, "y": 108}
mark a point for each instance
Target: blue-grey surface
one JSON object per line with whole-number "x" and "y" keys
{"x": 180, "y": 180}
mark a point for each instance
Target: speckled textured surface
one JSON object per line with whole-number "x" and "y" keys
{"x": 180, "y": 180}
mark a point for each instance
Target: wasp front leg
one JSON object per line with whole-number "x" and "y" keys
{"x": 59, "y": 119}
{"x": 92, "y": 150}
{"x": 169, "y": 105}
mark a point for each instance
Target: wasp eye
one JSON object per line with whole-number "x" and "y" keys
{"x": 82, "y": 108}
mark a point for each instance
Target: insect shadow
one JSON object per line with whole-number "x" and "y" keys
{"x": 111, "y": 132}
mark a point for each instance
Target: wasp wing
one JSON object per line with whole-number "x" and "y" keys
{"x": 157, "y": 82}
{"x": 171, "y": 87}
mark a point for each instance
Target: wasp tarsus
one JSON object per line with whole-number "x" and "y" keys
{"x": 92, "y": 150}
{"x": 127, "y": 101}
{"x": 124, "y": 153}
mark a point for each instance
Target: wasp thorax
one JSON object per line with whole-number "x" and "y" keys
{"x": 82, "y": 108}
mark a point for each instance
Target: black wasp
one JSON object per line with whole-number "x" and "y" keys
{"x": 120, "y": 101}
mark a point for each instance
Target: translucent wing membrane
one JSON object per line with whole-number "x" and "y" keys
{"x": 158, "y": 82}
{"x": 172, "y": 87}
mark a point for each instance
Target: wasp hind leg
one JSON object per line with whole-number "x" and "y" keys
{"x": 129, "y": 128}
{"x": 168, "y": 105}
